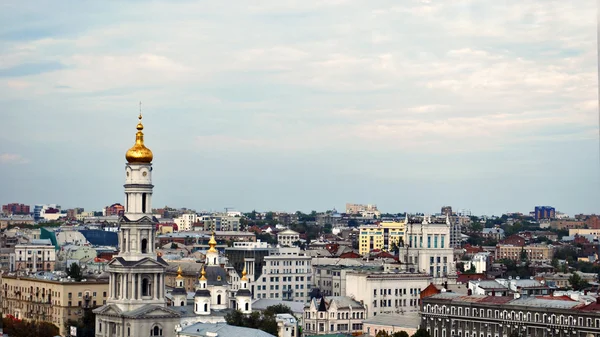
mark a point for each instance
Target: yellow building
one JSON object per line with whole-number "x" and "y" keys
{"x": 52, "y": 301}
{"x": 380, "y": 236}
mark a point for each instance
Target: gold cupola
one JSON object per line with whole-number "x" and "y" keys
{"x": 244, "y": 278}
{"x": 203, "y": 278}
{"x": 212, "y": 243}
{"x": 179, "y": 273}
{"x": 139, "y": 153}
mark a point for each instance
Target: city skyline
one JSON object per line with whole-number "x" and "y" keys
{"x": 298, "y": 106}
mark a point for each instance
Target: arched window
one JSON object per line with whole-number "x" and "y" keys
{"x": 143, "y": 202}
{"x": 145, "y": 287}
{"x": 182, "y": 304}
{"x": 156, "y": 331}
{"x": 218, "y": 299}
{"x": 144, "y": 245}
{"x": 247, "y": 306}
{"x": 205, "y": 307}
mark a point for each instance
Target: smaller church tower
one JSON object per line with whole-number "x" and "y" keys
{"x": 212, "y": 255}
{"x": 243, "y": 297}
{"x": 202, "y": 297}
{"x": 179, "y": 293}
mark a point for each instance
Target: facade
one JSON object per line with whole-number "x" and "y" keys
{"x": 114, "y": 209}
{"x": 220, "y": 222}
{"x": 456, "y": 226}
{"x": 252, "y": 253}
{"x": 330, "y": 315}
{"x": 495, "y": 233}
{"x": 387, "y": 292}
{"x": 408, "y": 322}
{"x": 185, "y": 221}
{"x": 286, "y": 275}
{"x": 35, "y": 256}
{"x": 136, "y": 304}
{"x": 536, "y": 252}
{"x": 451, "y": 314}
{"x": 354, "y": 209}
{"x": 287, "y": 237}
{"x": 544, "y": 212}
{"x": 428, "y": 249}
{"x": 50, "y": 299}
{"x": 480, "y": 262}
{"x": 584, "y": 231}
{"x": 381, "y": 236}
{"x": 15, "y": 208}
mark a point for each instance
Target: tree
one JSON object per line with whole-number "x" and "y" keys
{"x": 400, "y": 334}
{"x": 422, "y": 332}
{"x": 19, "y": 328}
{"x": 86, "y": 325}
{"x": 394, "y": 249}
{"x": 75, "y": 272}
{"x": 265, "y": 321}
{"x": 273, "y": 310}
{"x": 523, "y": 254}
{"x": 555, "y": 263}
{"x": 382, "y": 333}
{"x": 577, "y": 283}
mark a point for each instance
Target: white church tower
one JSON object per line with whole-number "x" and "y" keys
{"x": 136, "y": 303}
{"x": 243, "y": 297}
{"x": 179, "y": 293}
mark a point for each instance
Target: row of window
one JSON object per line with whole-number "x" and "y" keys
{"x": 276, "y": 295}
{"x": 397, "y": 291}
{"x": 332, "y": 327}
{"x": 340, "y": 315}
{"x": 289, "y": 263}
{"x": 513, "y": 315}
{"x": 397, "y": 302}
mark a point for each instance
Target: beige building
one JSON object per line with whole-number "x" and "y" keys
{"x": 330, "y": 315}
{"x": 584, "y": 231}
{"x": 380, "y": 236}
{"x": 39, "y": 255}
{"x": 534, "y": 252}
{"x": 50, "y": 300}
{"x": 287, "y": 237}
{"x": 408, "y": 322}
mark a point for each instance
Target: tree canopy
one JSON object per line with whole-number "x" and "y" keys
{"x": 19, "y": 328}
{"x": 265, "y": 321}
{"x": 75, "y": 272}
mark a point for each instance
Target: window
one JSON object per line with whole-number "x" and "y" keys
{"x": 145, "y": 287}
{"x": 156, "y": 331}
{"x": 144, "y": 245}
{"x": 99, "y": 327}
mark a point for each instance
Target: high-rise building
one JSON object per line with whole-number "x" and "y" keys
{"x": 544, "y": 212}
{"x": 447, "y": 210}
{"x": 114, "y": 209}
{"x": 381, "y": 236}
{"x": 136, "y": 305}
{"x": 15, "y": 208}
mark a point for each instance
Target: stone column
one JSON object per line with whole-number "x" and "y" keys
{"x": 110, "y": 290}
{"x": 155, "y": 286}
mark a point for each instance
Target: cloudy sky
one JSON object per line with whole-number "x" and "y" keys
{"x": 489, "y": 106}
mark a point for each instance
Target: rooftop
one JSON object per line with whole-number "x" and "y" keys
{"x": 407, "y": 320}
{"x": 221, "y": 329}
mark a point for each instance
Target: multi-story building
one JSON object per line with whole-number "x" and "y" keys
{"x": 114, "y": 209}
{"x": 331, "y": 279}
{"x": 480, "y": 262}
{"x": 286, "y": 275}
{"x": 584, "y": 231}
{"x": 386, "y": 292}
{"x": 365, "y": 211}
{"x": 220, "y": 222}
{"x": 287, "y": 325}
{"x": 544, "y": 212}
{"x": 35, "y": 256}
{"x": 535, "y": 252}
{"x": 185, "y": 221}
{"x": 251, "y": 255}
{"x": 452, "y": 314}
{"x": 456, "y": 225}
{"x": 15, "y": 208}
{"x": 427, "y": 249}
{"x": 446, "y": 210}
{"x": 381, "y": 236}
{"x": 287, "y": 237}
{"x": 49, "y": 298}
{"x": 333, "y": 315}
{"x": 16, "y": 220}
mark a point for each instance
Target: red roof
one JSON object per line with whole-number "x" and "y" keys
{"x": 350, "y": 255}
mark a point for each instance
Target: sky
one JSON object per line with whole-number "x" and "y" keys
{"x": 285, "y": 105}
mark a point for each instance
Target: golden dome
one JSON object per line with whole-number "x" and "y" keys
{"x": 203, "y": 278}
{"x": 179, "y": 272}
{"x": 139, "y": 153}
{"x": 244, "y": 278}
{"x": 212, "y": 243}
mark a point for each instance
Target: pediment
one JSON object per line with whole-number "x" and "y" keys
{"x": 152, "y": 311}
{"x": 145, "y": 262}
{"x": 109, "y": 309}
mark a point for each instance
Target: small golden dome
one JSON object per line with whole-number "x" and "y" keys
{"x": 244, "y": 278}
{"x": 139, "y": 153}
{"x": 203, "y": 278}
{"x": 212, "y": 243}
{"x": 179, "y": 272}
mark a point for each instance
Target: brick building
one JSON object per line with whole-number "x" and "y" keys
{"x": 15, "y": 208}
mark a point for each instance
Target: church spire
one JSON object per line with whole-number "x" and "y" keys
{"x": 139, "y": 153}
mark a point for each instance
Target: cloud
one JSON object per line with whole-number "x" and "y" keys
{"x": 12, "y": 158}
{"x": 31, "y": 69}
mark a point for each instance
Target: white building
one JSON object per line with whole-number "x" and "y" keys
{"x": 287, "y": 325}
{"x": 185, "y": 221}
{"x": 329, "y": 315}
{"x": 286, "y": 275}
{"x": 287, "y": 237}
{"x": 387, "y": 292}
{"x": 429, "y": 249}
{"x": 479, "y": 262}
{"x": 35, "y": 256}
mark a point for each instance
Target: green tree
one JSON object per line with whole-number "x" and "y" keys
{"x": 273, "y": 310}
{"x": 555, "y": 263}
{"x": 577, "y": 283}
{"x": 394, "y": 248}
{"x": 20, "y": 328}
{"x": 382, "y": 333}
{"x": 400, "y": 334}
{"x": 422, "y": 332}
{"x": 523, "y": 254}
{"x": 86, "y": 325}
{"x": 75, "y": 272}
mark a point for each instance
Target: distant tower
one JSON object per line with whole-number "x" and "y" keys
{"x": 179, "y": 293}
{"x": 243, "y": 297}
{"x": 202, "y": 297}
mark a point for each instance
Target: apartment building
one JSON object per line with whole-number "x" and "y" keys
{"x": 333, "y": 315}
{"x": 16, "y": 208}
{"x": 331, "y": 279}
{"x": 286, "y": 275}
{"x": 250, "y": 255}
{"x": 185, "y": 221}
{"x": 427, "y": 249}
{"x": 536, "y": 252}
{"x": 364, "y": 210}
{"x": 386, "y": 292}
{"x": 287, "y": 237}
{"x": 38, "y": 255}
{"x": 381, "y": 236}
{"x": 220, "y": 222}
{"x": 48, "y": 298}
{"x": 452, "y": 314}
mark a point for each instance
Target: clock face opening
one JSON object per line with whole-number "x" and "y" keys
{"x": 128, "y": 173}
{"x": 145, "y": 173}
